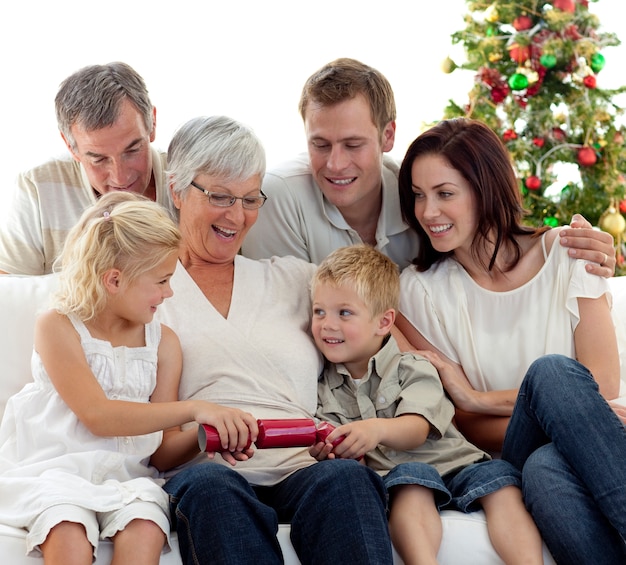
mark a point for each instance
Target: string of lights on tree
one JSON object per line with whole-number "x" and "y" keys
{"x": 538, "y": 84}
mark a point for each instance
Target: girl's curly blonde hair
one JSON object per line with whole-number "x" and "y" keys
{"x": 122, "y": 231}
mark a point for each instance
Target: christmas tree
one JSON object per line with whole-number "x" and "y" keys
{"x": 538, "y": 84}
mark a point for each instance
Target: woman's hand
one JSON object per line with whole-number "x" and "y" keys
{"x": 321, "y": 451}
{"x": 590, "y": 244}
{"x": 454, "y": 381}
{"x": 233, "y": 457}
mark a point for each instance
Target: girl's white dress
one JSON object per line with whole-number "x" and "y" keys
{"x": 48, "y": 457}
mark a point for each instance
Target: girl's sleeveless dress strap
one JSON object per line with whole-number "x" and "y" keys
{"x": 153, "y": 333}
{"x": 80, "y": 327}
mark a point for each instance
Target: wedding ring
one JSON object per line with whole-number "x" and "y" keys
{"x": 606, "y": 257}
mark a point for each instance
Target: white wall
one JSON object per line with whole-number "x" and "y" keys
{"x": 246, "y": 58}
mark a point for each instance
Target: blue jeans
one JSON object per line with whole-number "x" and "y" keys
{"x": 458, "y": 490}
{"x": 571, "y": 448}
{"x": 336, "y": 508}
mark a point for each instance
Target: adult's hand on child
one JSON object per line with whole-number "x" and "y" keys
{"x": 454, "y": 381}
{"x": 590, "y": 244}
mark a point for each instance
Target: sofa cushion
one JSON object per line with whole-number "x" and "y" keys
{"x": 21, "y": 299}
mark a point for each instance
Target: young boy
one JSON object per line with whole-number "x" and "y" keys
{"x": 391, "y": 408}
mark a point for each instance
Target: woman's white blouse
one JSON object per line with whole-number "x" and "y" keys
{"x": 495, "y": 336}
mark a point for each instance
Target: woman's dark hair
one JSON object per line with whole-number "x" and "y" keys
{"x": 477, "y": 153}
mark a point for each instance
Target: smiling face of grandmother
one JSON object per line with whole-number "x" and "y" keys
{"x": 216, "y": 166}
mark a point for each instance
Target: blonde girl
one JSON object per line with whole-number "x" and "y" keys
{"x": 75, "y": 445}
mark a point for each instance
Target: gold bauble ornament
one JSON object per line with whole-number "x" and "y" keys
{"x": 612, "y": 221}
{"x": 448, "y": 65}
{"x": 491, "y": 14}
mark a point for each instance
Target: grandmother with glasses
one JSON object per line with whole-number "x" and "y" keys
{"x": 244, "y": 330}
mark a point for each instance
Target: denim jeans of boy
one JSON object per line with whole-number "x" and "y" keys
{"x": 571, "y": 448}
{"x": 336, "y": 508}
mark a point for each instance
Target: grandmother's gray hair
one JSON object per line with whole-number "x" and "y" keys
{"x": 217, "y": 146}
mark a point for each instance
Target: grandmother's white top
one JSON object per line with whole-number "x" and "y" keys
{"x": 260, "y": 358}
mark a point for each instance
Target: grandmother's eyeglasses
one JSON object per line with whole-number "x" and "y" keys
{"x": 224, "y": 200}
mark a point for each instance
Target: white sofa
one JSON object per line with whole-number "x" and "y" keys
{"x": 465, "y": 539}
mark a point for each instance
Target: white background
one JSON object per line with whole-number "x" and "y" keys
{"x": 247, "y": 59}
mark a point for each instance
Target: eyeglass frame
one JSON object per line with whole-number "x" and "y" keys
{"x": 262, "y": 198}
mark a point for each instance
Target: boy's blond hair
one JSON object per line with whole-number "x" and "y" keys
{"x": 374, "y": 277}
{"x": 122, "y": 231}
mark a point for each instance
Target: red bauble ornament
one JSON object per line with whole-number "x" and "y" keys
{"x": 491, "y": 77}
{"x": 587, "y": 157}
{"x": 565, "y": 5}
{"x": 509, "y": 135}
{"x": 622, "y": 206}
{"x": 558, "y": 134}
{"x": 522, "y": 23}
{"x": 519, "y": 53}
{"x": 533, "y": 183}
{"x": 499, "y": 93}
{"x": 539, "y": 141}
{"x": 589, "y": 81}
{"x": 572, "y": 32}
{"x": 533, "y": 89}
